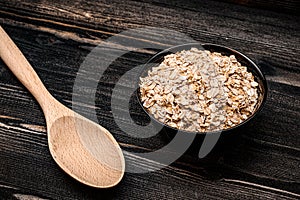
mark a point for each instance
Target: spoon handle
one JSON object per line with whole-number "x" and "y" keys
{"x": 18, "y": 64}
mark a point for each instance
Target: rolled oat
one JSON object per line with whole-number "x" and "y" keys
{"x": 199, "y": 91}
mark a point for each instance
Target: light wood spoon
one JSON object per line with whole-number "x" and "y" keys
{"x": 82, "y": 148}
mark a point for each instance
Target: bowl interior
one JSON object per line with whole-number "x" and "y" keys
{"x": 244, "y": 60}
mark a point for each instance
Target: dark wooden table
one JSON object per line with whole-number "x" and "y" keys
{"x": 261, "y": 162}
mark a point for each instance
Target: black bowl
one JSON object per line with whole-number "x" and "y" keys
{"x": 244, "y": 60}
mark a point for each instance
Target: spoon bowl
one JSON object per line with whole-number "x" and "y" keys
{"x": 83, "y": 149}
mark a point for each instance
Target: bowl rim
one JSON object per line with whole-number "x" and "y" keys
{"x": 261, "y": 77}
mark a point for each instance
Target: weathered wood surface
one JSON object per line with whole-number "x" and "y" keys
{"x": 260, "y": 163}
{"x": 288, "y": 6}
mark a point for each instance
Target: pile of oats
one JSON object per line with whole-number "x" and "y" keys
{"x": 199, "y": 91}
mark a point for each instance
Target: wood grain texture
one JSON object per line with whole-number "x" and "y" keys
{"x": 288, "y": 6}
{"x": 262, "y": 162}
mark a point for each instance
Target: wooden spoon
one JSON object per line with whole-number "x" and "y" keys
{"x": 82, "y": 148}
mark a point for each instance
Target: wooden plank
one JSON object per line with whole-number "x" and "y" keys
{"x": 289, "y": 6}
{"x": 262, "y": 162}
